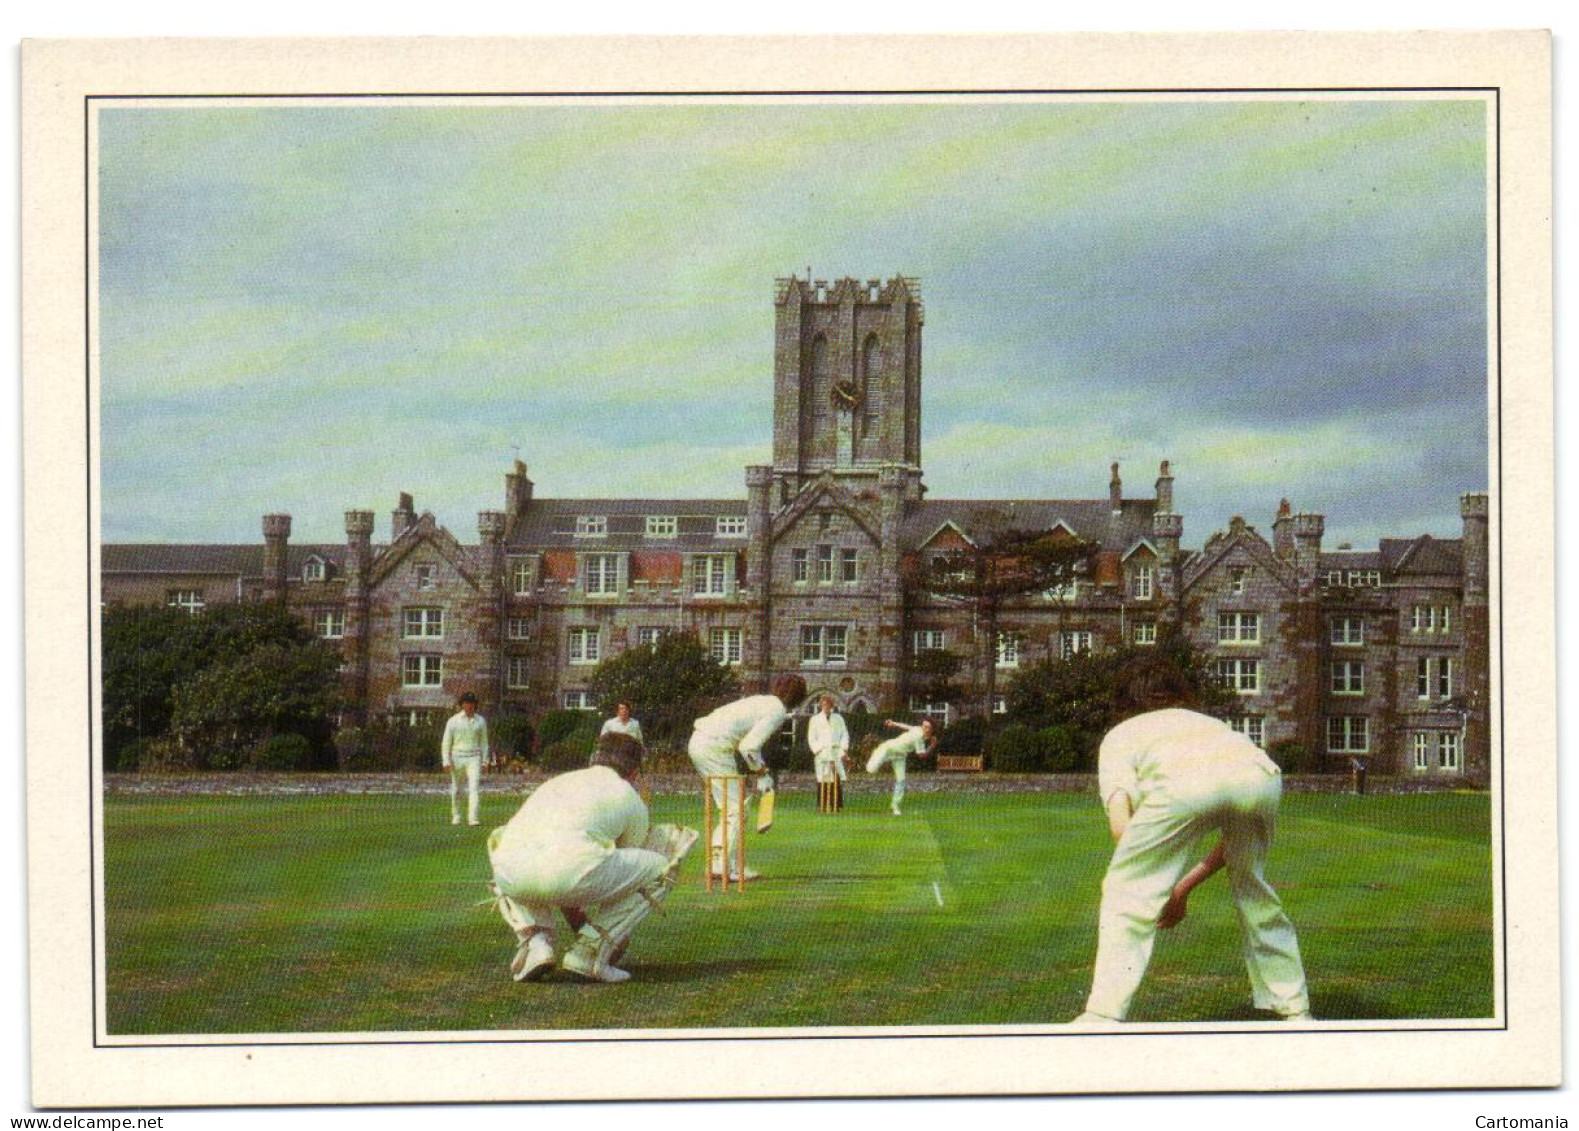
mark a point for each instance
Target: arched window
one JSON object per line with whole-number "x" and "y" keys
{"x": 814, "y": 389}
{"x": 871, "y": 368}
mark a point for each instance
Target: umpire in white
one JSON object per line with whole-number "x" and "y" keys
{"x": 829, "y": 740}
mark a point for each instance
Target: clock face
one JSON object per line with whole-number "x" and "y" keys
{"x": 845, "y": 394}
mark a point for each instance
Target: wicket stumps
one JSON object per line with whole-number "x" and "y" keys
{"x": 828, "y": 796}
{"x": 731, "y": 797}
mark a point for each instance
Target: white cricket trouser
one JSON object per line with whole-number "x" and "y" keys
{"x": 605, "y": 883}
{"x": 709, "y": 761}
{"x": 887, "y": 752}
{"x": 468, "y": 766}
{"x": 1158, "y": 846}
{"x": 830, "y": 767}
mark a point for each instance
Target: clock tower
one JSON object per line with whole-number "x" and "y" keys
{"x": 846, "y": 380}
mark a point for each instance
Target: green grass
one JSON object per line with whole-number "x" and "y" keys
{"x": 356, "y": 913}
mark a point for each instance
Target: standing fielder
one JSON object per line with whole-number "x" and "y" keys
{"x": 622, "y": 723}
{"x": 581, "y": 843}
{"x": 919, "y": 741}
{"x": 1168, "y": 776}
{"x": 464, "y": 751}
{"x": 829, "y": 738}
{"x": 742, "y": 727}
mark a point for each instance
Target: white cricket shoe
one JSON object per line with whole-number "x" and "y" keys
{"x": 734, "y": 877}
{"x": 1303, "y": 1018}
{"x": 591, "y": 968}
{"x": 533, "y": 958}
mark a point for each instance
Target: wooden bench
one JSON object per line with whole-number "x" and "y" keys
{"x": 960, "y": 763}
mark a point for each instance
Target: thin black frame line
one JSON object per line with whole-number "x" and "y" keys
{"x": 1502, "y": 682}
{"x": 87, "y": 475}
{"x": 1496, "y": 377}
{"x": 1139, "y": 1028}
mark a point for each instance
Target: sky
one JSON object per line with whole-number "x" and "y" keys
{"x": 310, "y": 309}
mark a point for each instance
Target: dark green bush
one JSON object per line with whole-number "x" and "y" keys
{"x": 510, "y": 736}
{"x": 385, "y": 747}
{"x": 1015, "y": 749}
{"x": 968, "y": 736}
{"x": 166, "y": 756}
{"x": 561, "y": 723}
{"x": 1066, "y": 750}
{"x": 281, "y": 752}
{"x": 1293, "y": 757}
{"x": 136, "y": 754}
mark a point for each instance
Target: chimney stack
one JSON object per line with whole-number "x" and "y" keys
{"x": 276, "y": 535}
{"x": 517, "y": 490}
{"x": 1283, "y": 532}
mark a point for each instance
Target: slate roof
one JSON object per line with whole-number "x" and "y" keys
{"x": 185, "y": 557}
{"x": 1350, "y": 559}
{"x": 1424, "y": 554}
{"x": 1091, "y": 519}
{"x": 551, "y": 523}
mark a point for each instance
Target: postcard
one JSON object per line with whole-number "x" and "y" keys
{"x": 790, "y": 562}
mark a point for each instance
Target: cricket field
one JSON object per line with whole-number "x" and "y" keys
{"x": 307, "y": 910}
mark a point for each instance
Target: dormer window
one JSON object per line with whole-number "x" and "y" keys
{"x": 313, "y": 570}
{"x": 592, "y": 526}
{"x": 730, "y": 526}
{"x": 662, "y": 525}
{"x": 1142, "y": 581}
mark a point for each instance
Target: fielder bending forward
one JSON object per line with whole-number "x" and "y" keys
{"x": 918, "y": 740}
{"x": 581, "y": 843}
{"x": 742, "y": 727}
{"x": 1168, "y": 775}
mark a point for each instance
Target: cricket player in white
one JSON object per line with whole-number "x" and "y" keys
{"x": 464, "y": 752}
{"x": 742, "y": 727}
{"x": 829, "y": 740}
{"x": 918, "y": 740}
{"x": 1169, "y": 776}
{"x": 622, "y": 723}
{"x": 580, "y": 842}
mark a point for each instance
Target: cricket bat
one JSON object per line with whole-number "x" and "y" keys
{"x": 765, "y": 811}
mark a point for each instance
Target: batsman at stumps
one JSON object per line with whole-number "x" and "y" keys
{"x": 740, "y": 728}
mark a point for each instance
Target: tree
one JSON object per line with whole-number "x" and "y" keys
{"x": 1076, "y": 696}
{"x": 1002, "y": 564}
{"x": 668, "y": 684}
{"x": 149, "y": 651}
{"x": 234, "y": 706}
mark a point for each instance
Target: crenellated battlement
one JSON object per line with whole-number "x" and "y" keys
{"x": 899, "y": 289}
{"x": 276, "y": 526}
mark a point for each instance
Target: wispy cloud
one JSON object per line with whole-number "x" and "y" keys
{"x": 1285, "y": 298}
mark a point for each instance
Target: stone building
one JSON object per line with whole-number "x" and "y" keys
{"x": 1378, "y": 653}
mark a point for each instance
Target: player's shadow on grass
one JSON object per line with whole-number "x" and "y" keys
{"x": 1341, "y": 1006}
{"x": 673, "y": 973}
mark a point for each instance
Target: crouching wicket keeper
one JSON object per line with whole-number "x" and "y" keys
{"x": 580, "y": 843}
